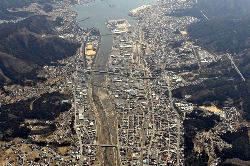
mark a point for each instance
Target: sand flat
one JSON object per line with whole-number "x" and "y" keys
{"x": 139, "y": 8}
{"x": 211, "y": 108}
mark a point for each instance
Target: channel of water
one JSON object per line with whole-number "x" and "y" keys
{"x": 100, "y": 10}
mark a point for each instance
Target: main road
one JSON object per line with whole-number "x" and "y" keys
{"x": 178, "y": 118}
{"x": 75, "y": 110}
{"x": 236, "y": 68}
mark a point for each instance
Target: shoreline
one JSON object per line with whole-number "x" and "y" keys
{"x": 136, "y": 10}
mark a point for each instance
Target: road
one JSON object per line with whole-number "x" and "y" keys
{"x": 75, "y": 107}
{"x": 76, "y": 83}
{"x": 197, "y": 57}
{"x": 236, "y": 68}
{"x": 178, "y": 119}
{"x": 204, "y": 15}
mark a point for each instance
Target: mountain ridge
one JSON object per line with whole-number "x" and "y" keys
{"x": 31, "y": 43}
{"x": 215, "y": 9}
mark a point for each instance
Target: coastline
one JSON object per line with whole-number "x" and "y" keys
{"x": 106, "y": 43}
{"x": 134, "y": 11}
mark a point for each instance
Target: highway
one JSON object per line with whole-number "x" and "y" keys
{"x": 204, "y": 15}
{"x": 236, "y": 68}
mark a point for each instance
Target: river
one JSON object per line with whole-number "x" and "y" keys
{"x": 100, "y": 10}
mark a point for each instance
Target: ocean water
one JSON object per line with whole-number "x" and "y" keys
{"x": 100, "y": 10}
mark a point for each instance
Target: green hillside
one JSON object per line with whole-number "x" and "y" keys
{"x": 216, "y": 9}
{"x": 225, "y": 34}
{"x": 29, "y": 45}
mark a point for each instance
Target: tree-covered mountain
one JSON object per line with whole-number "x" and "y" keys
{"x": 29, "y": 44}
{"x": 226, "y": 30}
{"x": 219, "y": 8}
{"x": 218, "y": 91}
{"x": 216, "y": 8}
{"x": 7, "y": 4}
{"x": 223, "y": 28}
{"x": 36, "y": 24}
{"x": 46, "y": 107}
{"x": 221, "y": 35}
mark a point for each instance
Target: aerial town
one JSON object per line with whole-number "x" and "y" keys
{"x": 123, "y": 114}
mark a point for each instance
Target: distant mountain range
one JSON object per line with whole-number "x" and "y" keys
{"x": 225, "y": 31}
{"x": 216, "y": 8}
{"x": 30, "y": 44}
{"x": 224, "y": 34}
{"x": 8, "y": 4}
{"x": 219, "y": 8}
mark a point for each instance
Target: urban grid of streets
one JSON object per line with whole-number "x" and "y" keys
{"x": 124, "y": 115}
{"x": 143, "y": 119}
{"x": 149, "y": 130}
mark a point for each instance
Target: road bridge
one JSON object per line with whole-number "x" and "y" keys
{"x": 106, "y": 145}
{"x": 151, "y": 78}
{"x": 108, "y": 34}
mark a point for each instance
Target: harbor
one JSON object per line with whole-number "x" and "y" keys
{"x": 98, "y": 18}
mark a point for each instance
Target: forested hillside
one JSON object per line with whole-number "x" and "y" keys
{"x": 219, "y": 8}
{"x": 218, "y": 91}
{"x": 222, "y": 35}
{"x": 46, "y": 107}
{"x": 223, "y": 28}
{"x": 29, "y": 44}
{"x": 216, "y": 8}
{"x": 7, "y": 4}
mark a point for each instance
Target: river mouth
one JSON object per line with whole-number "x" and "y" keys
{"x": 95, "y": 13}
{"x": 98, "y": 11}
